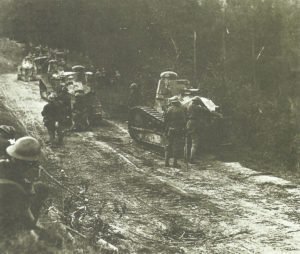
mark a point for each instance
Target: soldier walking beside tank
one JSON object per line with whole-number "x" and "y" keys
{"x": 53, "y": 119}
{"x": 80, "y": 112}
{"x": 175, "y": 121}
{"x": 65, "y": 99}
{"x": 195, "y": 125}
{"x": 22, "y": 195}
{"x": 134, "y": 98}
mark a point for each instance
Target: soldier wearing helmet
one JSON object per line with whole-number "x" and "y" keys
{"x": 175, "y": 121}
{"x": 21, "y": 195}
{"x": 80, "y": 111}
{"x": 53, "y": 119}
{"x": 7, "y": 135}
{"x": 65, "y": 99}
{"x": 195, "y": 125}
{"x": 134, "y": 98}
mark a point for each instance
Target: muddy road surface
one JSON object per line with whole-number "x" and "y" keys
{"x": 212, "y": 207}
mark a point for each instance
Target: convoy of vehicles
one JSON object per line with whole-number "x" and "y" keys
{"x": 145, "y": 124}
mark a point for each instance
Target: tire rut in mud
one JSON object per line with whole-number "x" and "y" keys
{"x": 213, "y": 207}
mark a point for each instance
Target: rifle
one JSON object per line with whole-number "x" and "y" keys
{"x": 186, "y": 149}
{"x": 59, "y": 183}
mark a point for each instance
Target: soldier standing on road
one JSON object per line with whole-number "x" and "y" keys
{"x": 195, "y": 125}
{"x": 175, "y": 121}
{"x": 65, "y": 99}
{"x": 7, "y": 133}
{"x": 53, "y": 119}
{"x": 21, "y": 195}
{"x": 80, "y": 112}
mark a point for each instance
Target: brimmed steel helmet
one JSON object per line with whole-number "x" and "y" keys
{"x": 25, "y": 148}
{"x": 8, "y": 131}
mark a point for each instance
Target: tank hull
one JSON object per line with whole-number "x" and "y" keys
{"x": 146, "y": 127}
{"x": 48, "y": 85}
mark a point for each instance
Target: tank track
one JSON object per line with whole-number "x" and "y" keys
{"x": 146, "y": 127}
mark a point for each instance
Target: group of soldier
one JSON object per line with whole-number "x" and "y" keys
{"x": 62, "y": 113}
{"x": 183, "y": 130}
{"x": 22, "y": 195}
{"x": 61, "y": 116}
{"x": 184, "y": 127}
{"x": 104, "y": 78}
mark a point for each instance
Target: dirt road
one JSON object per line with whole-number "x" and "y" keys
{"x": 212, "y": 207}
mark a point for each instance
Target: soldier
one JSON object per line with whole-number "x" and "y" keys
{"x": 104, "y": 77}
{"x": 134, "y": 96}
{"x": 7, "y": 133}
{"x": 53, "y": 119}
{"x": 21, "y": 195}
{"x": 175, "y": 121}
{"x": 65, "y": 99}
{"x": 94, "y": 108}
{"x": 80, "y": 112}
{"x": 195, "y": 126}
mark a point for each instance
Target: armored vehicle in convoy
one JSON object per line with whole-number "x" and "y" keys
{"x": 77, "y": 80}
{"x": 146, "y": 124}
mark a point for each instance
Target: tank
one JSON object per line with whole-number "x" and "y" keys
{"x": 74, "y": 80}
{"x": 146, "y": 125}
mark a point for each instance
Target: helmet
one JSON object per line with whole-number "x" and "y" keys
{"x": 8, "y": 131}
{"x": 133, "y": 86}
{"x": 52, "y": 96}
{"x": 25, "y": 148}
{"x": 168, "y": 74}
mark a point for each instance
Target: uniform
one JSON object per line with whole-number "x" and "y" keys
{"x": 80, "y": 113}
{"x": 66, "y": 111}
{"x": 197, "y": 119}
{"x": 21, "y": 196}
{"x": 175, "y": 121}
{"x": 94, "y": 108}
{"x": 134, "y": 98}
{"x": 53, "y": 120}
